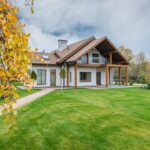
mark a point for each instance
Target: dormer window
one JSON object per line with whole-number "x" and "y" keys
{"x": 95, "y": 58}
{"x": 45, "y": 57}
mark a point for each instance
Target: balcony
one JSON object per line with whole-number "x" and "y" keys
{"x": 97, "y": 60}
{"x": 92, "y": 60}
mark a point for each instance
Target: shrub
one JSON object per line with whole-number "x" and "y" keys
{"x": 148, "y": 84}
{"x": 33, "y": 75}
{"x": 142, "y": 79}
{"x": 131, "y": 82}
{"x": 63, "y": 75}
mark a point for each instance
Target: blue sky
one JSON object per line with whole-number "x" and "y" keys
{"x": 125, "y": 22}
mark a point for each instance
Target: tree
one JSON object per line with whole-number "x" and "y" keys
{"x": 15, "y": 55}
{"x": 33, "y": 75}
{"x": 62, "y": 76}
{"x": 148, "y": 72}
{"x": 126, "y": 52}
{"x": 139, "y": 65}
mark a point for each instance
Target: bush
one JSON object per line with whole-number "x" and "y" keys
{"x": 131, "y": 82}
{"x": 33, "y": 75}
{"x": 142, "y": 79}
{"x": 63, "y": 75}
{"x": 148, "y": 84}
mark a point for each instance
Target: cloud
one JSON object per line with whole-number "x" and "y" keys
{"x": 125, "y": 22}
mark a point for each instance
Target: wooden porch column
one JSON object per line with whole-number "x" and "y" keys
{"x": 119, "y": 75}
{"x": 110, "y": 58}
{"x": 87, "y": 58}
{"x": 107, "y": 75}
{"x": 67, "y": 76}
{"x": 126, "y": 70}
{"x": 75, "y": 75}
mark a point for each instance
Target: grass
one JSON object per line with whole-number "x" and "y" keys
{"x": 23, "y": 93}
{"x": 106, "y": 119}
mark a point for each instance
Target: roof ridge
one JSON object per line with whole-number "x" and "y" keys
{"x": 82, "y": 40}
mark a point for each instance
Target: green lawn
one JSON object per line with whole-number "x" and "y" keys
{"x": 23, "y": 93}
{"x": 82, "y": 119}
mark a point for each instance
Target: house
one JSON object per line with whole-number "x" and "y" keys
{"x": 89, "y": 62}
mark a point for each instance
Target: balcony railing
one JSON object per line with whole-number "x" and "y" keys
{"x": 95, "y": 60}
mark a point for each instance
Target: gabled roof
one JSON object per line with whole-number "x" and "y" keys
{"x": 87, "y": 48}
{"x": 105, "y": 46}
{"x": 74, "y": 51}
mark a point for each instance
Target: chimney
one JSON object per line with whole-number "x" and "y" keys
{"x": 62, "y": 44}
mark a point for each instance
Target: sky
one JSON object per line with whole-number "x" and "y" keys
{"x": 124, "y": 22}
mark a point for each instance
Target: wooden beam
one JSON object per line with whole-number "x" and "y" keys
{"x": 91, "y": 65}
{"x": 109, "y": 75}
{"x": 87, "y": 55}
{"x": 119, "y": 75}
{"x": 116, "y": 65}
{"x": 126, "y": 70}
{"x": 123, "y": 62}
{"x": 75, "y": 75}
{"x": 106, "y": 75}
{"x": 110, "y": 58}
{"x": 67, "y": 75}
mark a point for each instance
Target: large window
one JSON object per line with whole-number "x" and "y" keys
{"x": 95, "y": 58}
{"x": 85, "y": 76}
{"x": 84, "y": 59}
{"x": 41, "y": 76}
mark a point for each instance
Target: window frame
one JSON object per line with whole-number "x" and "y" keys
{"x": 84, "y": 75}
{"x": 42, "y": 74}
{"x": 84, "y": 59}
{"x": 95, "y": 58}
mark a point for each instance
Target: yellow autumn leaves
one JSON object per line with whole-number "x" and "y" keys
{"x": 15, "y": 55}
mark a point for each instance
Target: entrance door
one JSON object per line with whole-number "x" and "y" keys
{"x": 98, "y": 78}
{"x": 53, "y": 77}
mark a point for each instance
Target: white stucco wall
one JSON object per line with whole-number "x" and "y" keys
{"x": 93, "y": 76}
{"x": 47, "y": 75}
{"x": 71, "y": 69}
{"x": 111, "y": 76}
